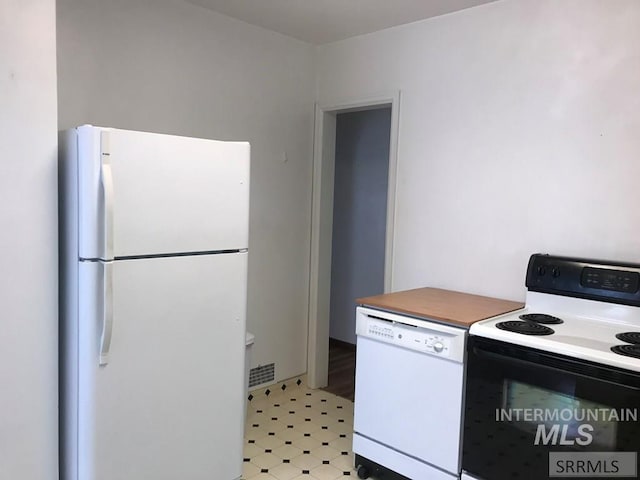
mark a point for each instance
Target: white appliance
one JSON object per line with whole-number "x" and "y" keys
{"x": 408, "y": 397}
{"x": 588, "y": 329}
{"x": 153, "y": 298}
{"x": 465, "y": 476}
{"x": 538, "y": 378}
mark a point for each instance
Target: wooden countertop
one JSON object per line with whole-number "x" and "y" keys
{"x": 447, "y": 306}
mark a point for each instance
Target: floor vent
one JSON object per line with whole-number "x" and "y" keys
{"x": 262, "y": 374}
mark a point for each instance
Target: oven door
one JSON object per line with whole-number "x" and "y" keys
{"x": 526, "y": 410}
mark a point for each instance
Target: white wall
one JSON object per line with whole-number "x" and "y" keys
{"x": 172, "y": 67}
{"x": 359, "y": 214}
{"x": 518, "y": 134}
{"x": 28, "y": 242}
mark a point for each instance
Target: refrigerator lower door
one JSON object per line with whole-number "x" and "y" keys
{"x": 169, "y": 403}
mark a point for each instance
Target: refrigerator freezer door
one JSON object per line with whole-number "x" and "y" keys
{"x": 169, "y": 404}
{"x": 151, "y": 194}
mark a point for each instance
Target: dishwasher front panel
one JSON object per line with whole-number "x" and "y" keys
{"x": 409, "y": 401}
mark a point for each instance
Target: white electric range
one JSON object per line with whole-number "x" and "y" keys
{"x": 558, "y": 381}
{"x": 588, "y": 331}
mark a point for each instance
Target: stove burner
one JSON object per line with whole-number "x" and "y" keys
{"x": 526, "y": 328}
{"x": 629, "y": 337}
{"x": 541, "y": 318}
{"x": 628, "y": 350}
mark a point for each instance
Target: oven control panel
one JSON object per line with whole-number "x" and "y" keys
{"x": 615, "y": 280}
{"x": 585, "y": 278}
{"x": 413, "y": 334}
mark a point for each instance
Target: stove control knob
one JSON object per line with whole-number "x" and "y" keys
{"x": 555, "y": 272}
{"x": 541, "y": 270}
{"x": 438, "y": 347}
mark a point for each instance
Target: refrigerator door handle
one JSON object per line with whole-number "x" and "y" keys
{"x": 107, "y": 322}
{"x": 106, "y": 177}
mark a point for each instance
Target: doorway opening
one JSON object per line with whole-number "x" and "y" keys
{"x": 360, "y": 185}
{"x": 352, "y": 228}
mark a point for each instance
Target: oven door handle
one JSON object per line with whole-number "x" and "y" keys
{"x": 573, "y": 367}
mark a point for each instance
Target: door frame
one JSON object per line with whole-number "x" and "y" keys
{"x": 322, "y": 222}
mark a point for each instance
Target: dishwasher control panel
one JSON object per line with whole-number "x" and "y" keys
{"x": 410, "y": 333}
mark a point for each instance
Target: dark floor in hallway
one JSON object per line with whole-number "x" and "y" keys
{"x": 342, "y": 369}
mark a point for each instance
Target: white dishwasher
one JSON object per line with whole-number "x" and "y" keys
{"x": 408, "y": 398}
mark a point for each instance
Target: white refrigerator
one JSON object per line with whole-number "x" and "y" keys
{"x": 154, "y": 237}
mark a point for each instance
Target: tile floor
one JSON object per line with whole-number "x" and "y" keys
{"x": 295, "y": 433}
